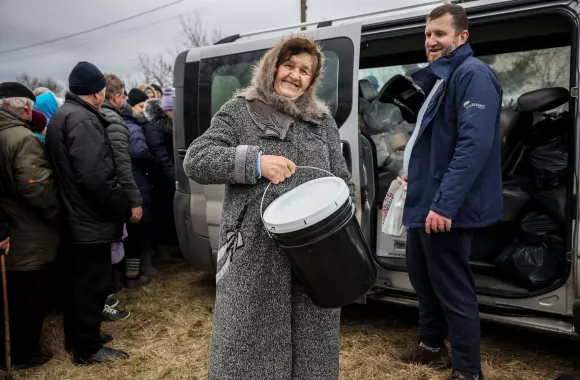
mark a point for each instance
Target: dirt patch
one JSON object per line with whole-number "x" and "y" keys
{"x": 169, "y": 330}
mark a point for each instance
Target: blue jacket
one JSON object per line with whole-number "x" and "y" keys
{"x": 455, "y": 164}
{"x": 141, "y": 165}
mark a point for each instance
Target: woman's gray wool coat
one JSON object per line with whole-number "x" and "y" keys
{"x": 265, "y": 326}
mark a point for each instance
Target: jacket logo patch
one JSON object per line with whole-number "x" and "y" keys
{"x": 469, "y": 104}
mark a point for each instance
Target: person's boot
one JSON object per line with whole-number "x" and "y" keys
{"x": 104, "y": 355}
{"x": 137, "y": 282}
{"x": 34, "y": 362}
{"x": 147, "y": 268}
{"x": 417, "y": 354}
{"x": 462, "y": 375}
{"x": 164, "y": 256}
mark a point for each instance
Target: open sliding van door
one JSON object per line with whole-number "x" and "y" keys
{"x": 206, "y": 78}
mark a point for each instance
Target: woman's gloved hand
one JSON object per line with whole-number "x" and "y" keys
{"x": 276, "y": 168}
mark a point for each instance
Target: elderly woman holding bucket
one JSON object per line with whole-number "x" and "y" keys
{"x": 265, "y": 325}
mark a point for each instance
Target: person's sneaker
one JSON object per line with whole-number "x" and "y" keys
{"x": 112, "y": 301}
{"x": 416, "y": 354}
{"x": 461, "y": 375}
{"x": 104, "y": 355}
{"x": 112, "y": 315}
{"x": 135, "y": 283}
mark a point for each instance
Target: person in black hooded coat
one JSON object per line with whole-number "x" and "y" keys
{"x": 139, "y": 239}
{"x": 159, "y": 137}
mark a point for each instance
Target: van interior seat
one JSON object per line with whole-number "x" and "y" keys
{"x": 366, "y": 90}
{"x": 543, "y": 100}
{"x": 405, "y": 94}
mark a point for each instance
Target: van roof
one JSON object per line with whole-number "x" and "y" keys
{"x": 398, "y": 14}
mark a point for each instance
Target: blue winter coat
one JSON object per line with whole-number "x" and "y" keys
{"x": 141, "y": 163}
{"x": 455, "y": 165}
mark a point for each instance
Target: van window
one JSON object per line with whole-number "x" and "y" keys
{"x": 221, "y": 77}
{"x": 518, "y": 72}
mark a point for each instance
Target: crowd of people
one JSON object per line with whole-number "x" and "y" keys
{"x": 86, "y": 199}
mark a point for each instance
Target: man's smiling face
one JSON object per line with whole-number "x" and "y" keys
{"x": 441, "y": 37}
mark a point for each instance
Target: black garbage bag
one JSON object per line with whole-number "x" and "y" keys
{"x": 549, "y": 162}
{"x": 537, "y": 226}
{"x": 549, "y": 128}
{"x": 553, "y": 201}
{"x": 533, "y": 266}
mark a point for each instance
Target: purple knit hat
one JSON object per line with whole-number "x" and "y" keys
{"x": 167, "y": 99}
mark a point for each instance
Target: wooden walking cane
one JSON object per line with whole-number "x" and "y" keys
{"x": 6, "y": 315}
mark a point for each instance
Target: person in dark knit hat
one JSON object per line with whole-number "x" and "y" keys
{"x": 95, "y": 206}
{"x": 137, "y": 99}
{"x": 29, "y": 204}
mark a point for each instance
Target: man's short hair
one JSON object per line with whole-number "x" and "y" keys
{"x": 16, "y": 104}
{"x": 460, "y": 20}
{"x": 114, "y": 86}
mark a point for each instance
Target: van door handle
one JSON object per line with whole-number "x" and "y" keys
{"x": 346, "y": 153}
{"x": 181, "y": 152}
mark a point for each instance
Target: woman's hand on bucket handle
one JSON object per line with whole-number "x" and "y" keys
{"x": 276, "y": 168}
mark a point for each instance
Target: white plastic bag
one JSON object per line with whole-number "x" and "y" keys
{"x": 395, "y": 186}
{"x": 393, "y": 224}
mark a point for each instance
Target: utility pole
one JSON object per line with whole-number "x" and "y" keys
{"x": 303, "y": 8}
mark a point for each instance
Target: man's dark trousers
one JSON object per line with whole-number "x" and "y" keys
{"x": 439, "y": 270}
{"x": 89, "y": 272}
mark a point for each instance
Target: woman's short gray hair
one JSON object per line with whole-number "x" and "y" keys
{"x": 16, "y": 105}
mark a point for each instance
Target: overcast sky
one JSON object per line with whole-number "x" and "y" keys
{"x": 115, "y": 48}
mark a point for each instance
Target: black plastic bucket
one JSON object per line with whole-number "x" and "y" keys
{"x": 327, "y": 249}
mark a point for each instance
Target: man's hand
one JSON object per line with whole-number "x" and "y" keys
{"x": 5, "y": 245}
{"x": 276, "y": 168}
{"x": 437, "y": 223}
{"x": 136, "y": 214}
{"x": 405, "y": 178}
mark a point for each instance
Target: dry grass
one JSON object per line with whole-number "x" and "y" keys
{"x": 169, "y": 331}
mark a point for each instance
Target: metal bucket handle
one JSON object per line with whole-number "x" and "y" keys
{"x": 267, "y": 187}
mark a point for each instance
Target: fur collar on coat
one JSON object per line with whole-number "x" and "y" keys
{"x": 155, "y": 113}
{"x": 307, "y": 107}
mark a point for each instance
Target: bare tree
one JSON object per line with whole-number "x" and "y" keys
{"x": 195, "y": 34}
{"x": 34, "y": 82}
{"x": 157, "y": 68}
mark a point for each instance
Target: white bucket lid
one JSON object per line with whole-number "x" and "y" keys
{"x": 306, "y": 205}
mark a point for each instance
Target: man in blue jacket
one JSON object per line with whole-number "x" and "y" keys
{"x": 453, "y": 165}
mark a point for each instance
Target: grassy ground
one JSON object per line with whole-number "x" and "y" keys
{"x": 170, "y": 327}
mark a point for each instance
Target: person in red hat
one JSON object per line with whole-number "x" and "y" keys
{"x": 39, "y": 125}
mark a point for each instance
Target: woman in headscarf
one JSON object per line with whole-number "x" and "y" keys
{"x": 148, "y": 90}
{"x": 265, "y": 325}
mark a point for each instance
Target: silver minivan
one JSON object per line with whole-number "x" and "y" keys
{"x": 533, "y": 47}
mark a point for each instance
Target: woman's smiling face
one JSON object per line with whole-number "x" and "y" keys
{"x": 294, "y": 75}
